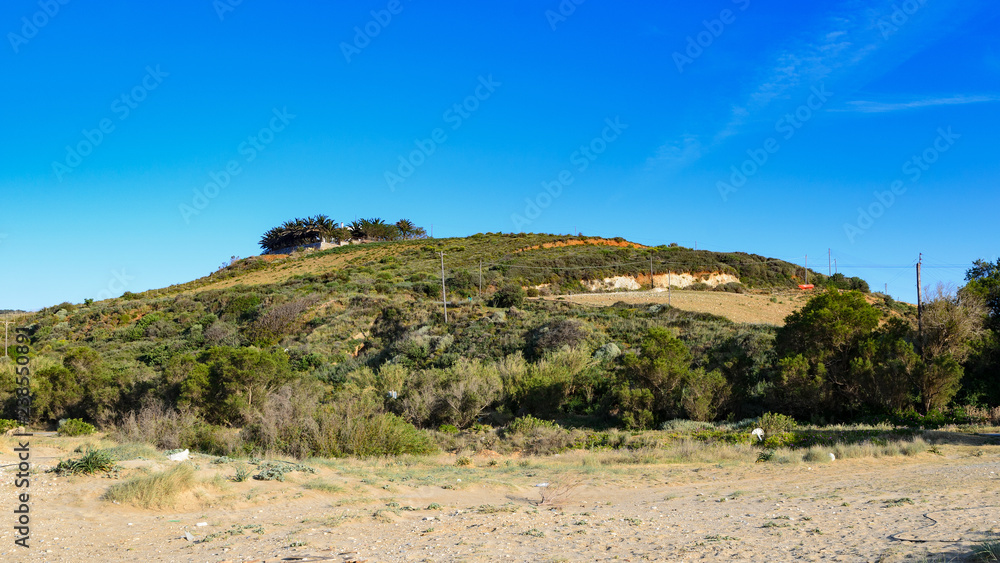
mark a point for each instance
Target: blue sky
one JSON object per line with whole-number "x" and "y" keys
{"x": 779, "y": 128}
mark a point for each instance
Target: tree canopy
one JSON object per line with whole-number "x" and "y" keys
{"x": 320, "y": 228}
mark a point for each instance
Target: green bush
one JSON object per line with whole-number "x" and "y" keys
{"x": 355, "y": 426}
{"x": 7, "y": 424}
{"x": 76, "y": 427}
{"x": 527, "y": 424}
{"x": 510, "y": 295}
{"x": 773, "y": 423}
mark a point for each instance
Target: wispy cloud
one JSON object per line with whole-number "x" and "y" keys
{"x": 864, "y": 106}
{"x": 678, "y": 154}
{"x": 846, "y": 49}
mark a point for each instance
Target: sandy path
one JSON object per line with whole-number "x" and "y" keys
{"x": 850, "y": 510}
{"x": 740, "y": 308}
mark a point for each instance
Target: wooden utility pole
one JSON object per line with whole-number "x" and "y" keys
{"x": 835, "y": 270}
{"x": 5, "y": 343}
{"x": 920, "y": 306}
{"x": 444, "y": 294}
{"x": 829, "y": 260}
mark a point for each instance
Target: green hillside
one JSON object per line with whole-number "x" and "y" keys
{"x": 347, "y": 352}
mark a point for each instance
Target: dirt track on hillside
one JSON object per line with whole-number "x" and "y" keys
{"x": 737, "y": 307}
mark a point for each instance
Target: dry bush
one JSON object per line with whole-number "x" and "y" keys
{"x": 286, "y": 423}
{"x": 169, "y": 429}
{"x": 277, "y": 321}
{"x": 983, "y": 415}
{"x": 153, "y": 424}
{"x": 560, "y": 492}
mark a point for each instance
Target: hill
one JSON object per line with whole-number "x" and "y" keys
{"x": 288, "y": 352}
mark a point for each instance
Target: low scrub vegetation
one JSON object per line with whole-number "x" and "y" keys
{"x": 354, "y": 358}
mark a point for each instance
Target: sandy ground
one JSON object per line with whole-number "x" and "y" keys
{"x": 740, "y": 308}
{"x": 889, "y": 509}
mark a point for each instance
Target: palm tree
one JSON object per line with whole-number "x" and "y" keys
{"x": 408, "y": 230}
{"x": 298, "y": 232}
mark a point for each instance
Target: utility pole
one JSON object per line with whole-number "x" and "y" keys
{"x": 806, "y": 268}
{"x": 920, "y": 306}
{"x": 444, "y": 295}
{"x": 835, "y": 270}
{"x": 829, "y": 258}
{"x": 5, "y": 344}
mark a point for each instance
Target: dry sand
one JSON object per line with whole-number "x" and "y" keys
{"x": 889, "y": 509}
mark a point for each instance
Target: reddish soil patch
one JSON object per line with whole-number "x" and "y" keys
{"x": 589, "y": 241}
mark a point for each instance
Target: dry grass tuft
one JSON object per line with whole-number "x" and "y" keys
{"x": 156, "y": 490}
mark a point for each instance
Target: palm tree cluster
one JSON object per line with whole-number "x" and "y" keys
{"x": 377, "y": 229}
{"x": 311, "y": 230}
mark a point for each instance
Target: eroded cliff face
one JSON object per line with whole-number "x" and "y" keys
{"x": 660, "y": 281}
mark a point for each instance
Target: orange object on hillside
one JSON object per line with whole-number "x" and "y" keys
{"x": 807, "y": 286}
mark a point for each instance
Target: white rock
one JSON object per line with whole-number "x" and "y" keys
{"x": 833, "y": 457}
{"x": 179, "y": 456}
{"x": 202, "y": 524}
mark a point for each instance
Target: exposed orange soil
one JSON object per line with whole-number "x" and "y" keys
{"x": 591, "y": 241}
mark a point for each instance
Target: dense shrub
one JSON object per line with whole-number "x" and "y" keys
{"x": 75, "y": 427}
{"x": 510, "y": 295}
